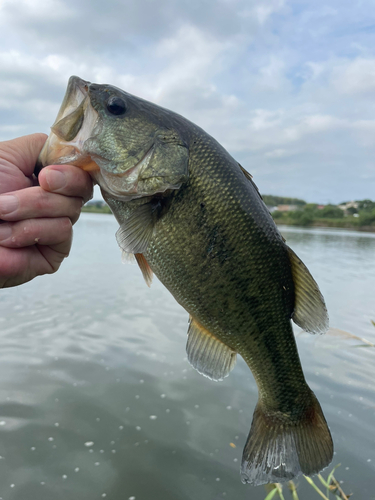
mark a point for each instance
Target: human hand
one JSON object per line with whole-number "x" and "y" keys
{"x": 36, "y": 220}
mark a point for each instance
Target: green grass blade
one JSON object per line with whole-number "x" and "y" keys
{"x": 323, "y": 481}
{"x": 280, "y": 490}
{"x": 330, "y": 476}
{"x": 311, "y": 482}
{"x": 293, "y": 489}
{"x": 271, "y": 494}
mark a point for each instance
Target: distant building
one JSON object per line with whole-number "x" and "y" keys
{"x": 349, "y": 208}
{"x": 287, "y": 208}
{"x": 349, "y": 204}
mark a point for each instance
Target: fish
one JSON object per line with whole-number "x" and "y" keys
{"x": 192, "y": 215}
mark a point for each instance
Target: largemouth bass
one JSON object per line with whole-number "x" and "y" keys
{"x": 192, "y": 215}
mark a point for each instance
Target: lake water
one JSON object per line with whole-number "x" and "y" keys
{"x": 98, "y": 401}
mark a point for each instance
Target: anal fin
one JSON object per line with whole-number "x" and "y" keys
{"x": 145, "y": 268}
{"x": 208, "y": 355}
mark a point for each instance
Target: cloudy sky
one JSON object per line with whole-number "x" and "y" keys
{"x": 287, "y": 86}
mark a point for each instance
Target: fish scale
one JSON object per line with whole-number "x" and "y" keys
{"x": 193, "y": 216}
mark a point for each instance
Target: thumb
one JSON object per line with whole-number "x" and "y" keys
{"x": 23, "y": 152}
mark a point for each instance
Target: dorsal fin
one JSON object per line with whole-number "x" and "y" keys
{"x": 145, "y": 268}
{"x": 310, "y": 312}
{"x": 249, "y": 177}
{"x": 208, "y": 355}
{"x": 246, "y": 173}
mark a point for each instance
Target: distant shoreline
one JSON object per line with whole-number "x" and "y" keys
{"x": 340, "y": 224}
{"x": 93, "y": 209}
{"x": 347, "y": 227}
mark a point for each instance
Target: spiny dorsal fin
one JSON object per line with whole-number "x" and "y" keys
{"x": 208, "y": 355}
{"x": 135, "y": 233}
{"x": 145, "y": 268}
{"x": 246, "y": 173}
{"x": 310, "y": 312}
{"x": 249, "y": 177}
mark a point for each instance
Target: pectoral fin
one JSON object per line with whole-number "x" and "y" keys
{"x": 208, "y": 355}
{"x": 310, "y": 312}
{"x": 135, "y": 233}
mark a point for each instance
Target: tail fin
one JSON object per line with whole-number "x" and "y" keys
{"x": 278, "y": 448}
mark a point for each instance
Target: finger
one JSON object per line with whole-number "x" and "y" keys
{"x": 23, "y": 151}
{"x": 55, "y": 254}
{"x": 66, "y": 180}
{"x": 35, "y": 231}
{"x": 34, "y": 202}
{"x": 20, "y": 265}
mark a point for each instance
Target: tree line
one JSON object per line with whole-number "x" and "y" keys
{"x": 363, "y": 215}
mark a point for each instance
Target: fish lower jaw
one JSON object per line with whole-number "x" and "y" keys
{"x": 56, "y": 152}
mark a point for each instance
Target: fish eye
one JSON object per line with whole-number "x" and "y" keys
{"x": 116, "y": 105}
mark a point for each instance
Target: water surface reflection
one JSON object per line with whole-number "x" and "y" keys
{"x": 97, "y": 399}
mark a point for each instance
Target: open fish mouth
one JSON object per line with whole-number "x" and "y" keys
{"x": 97, "y": 130}
{"x": 76, "y": 122}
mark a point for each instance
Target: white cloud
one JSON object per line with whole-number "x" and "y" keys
{"x": 46, "y": 10}
{"x": 278, "y": 153}
{"x": 263, "y": 119}
{"x": 316, "y": 70}
{"x": 265, "y": 9}
{"x": 288, "y": 88}
{"x": 355, "y": 77}
{"x": 322, "y": 123}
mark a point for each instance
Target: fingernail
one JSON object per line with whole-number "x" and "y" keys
{"x": 55, "y": 179}
{"x": 8, "y": 204}
{"x": 5, "y": 232}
